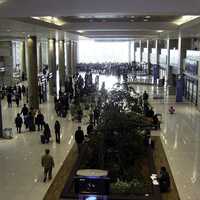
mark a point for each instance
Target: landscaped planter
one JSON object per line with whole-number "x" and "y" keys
{"x": 152, "y": 192}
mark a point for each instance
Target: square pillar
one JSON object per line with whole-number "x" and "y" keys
{"x": 52, "y": 65}
{"x": 33, "y": 92}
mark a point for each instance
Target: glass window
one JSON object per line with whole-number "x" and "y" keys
{"x": 90, "y": 51}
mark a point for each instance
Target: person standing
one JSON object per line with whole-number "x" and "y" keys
{"x": 18, "y": 122}
{"x": 47, "y": 162}
{"x": 79, "y": 138}
{"x": 57, "y": 131}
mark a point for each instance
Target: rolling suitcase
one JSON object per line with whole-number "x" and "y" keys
{"x": 42, "y": 138}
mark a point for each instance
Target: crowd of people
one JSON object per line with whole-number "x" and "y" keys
{"x": 33, "y": 121}
{"x": 75, "y": 89}
{"x": 114, "y": 68}
{"x": 13, "y": 94}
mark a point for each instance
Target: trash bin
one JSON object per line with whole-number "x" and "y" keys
{"x": 7, "y": 133}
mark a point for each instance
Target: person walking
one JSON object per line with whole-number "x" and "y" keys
{"x": 79, "y": 138}
{"x": 24, "y": 112}
{"x": 47, "y": 162}
{"x": 79, "y": 114}
{"x": 57, "y": 131}
{"x": 23, "y": 90}
{"x": 19, "y": 91}
{"x": 18, "y": 123}
{"x": 96, "y": 115}
{"x": 17, "y": 98}
{"x": 30, "y": 121}
{"x": 47, "y": 133}
{"x": 39, "y": 120}
{"x": 145, "y": 97}
{"x": 9, "y": 100}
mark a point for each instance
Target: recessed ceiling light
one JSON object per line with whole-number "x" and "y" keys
{"x": 8, "y": 30}
{"x": 51, "y": 20}
{"x": 80, "y": 31}
{"x": 184, "y": 19}
{"x": 132, "y": 16}
{"x": 132, "y": 20}
{"x": 159, "y": 31}
{"x": 147, "y": 17}
{"x": 146, "y": 20}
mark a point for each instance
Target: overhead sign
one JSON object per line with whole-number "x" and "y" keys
{"x": 194, "y": 55}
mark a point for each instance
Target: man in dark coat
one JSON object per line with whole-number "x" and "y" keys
{"x": 24, "y": 112}
{"x": 9, "y": 100}
{"x": 18, "y": 122}
{"x": 39, "y": 120}
{"x": 79, "y": 138}
{"x": 164, "y": 180}
{"x": 57, "y": 131}
{"x": 145, "y": 96}
{"x": 17, "y": 98}
{"x": 47, "y": 133}
{"x": 96, "y": 115}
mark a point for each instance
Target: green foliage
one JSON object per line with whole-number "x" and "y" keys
{"x": 118, "y": 142}
{"x": 120, "y": 187}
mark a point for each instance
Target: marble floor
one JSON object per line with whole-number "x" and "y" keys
{"x": 21, "y": 173}
{"x": 180, "y": 136}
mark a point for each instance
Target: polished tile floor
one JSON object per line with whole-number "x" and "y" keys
{"x": 21, "y": 173}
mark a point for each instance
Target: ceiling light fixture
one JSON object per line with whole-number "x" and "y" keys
{"x": 80, "y": 31}
{"x": 159, "y": 31}
{"x": 132, "y": 16}
{"x": 184, "y": 19}
{"x": 51, "y": 20}
{"x": 146, "y": 20}
{"x": 147, "y": 17}
{"x": 2, "y": 1}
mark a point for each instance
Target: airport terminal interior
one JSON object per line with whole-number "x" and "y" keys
{"x": 99, "y": 100}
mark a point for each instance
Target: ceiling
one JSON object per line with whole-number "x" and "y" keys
{"x": 26, "y": 8}
{"x": 120, "y": 26}
{"x": 121, "y": 19}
